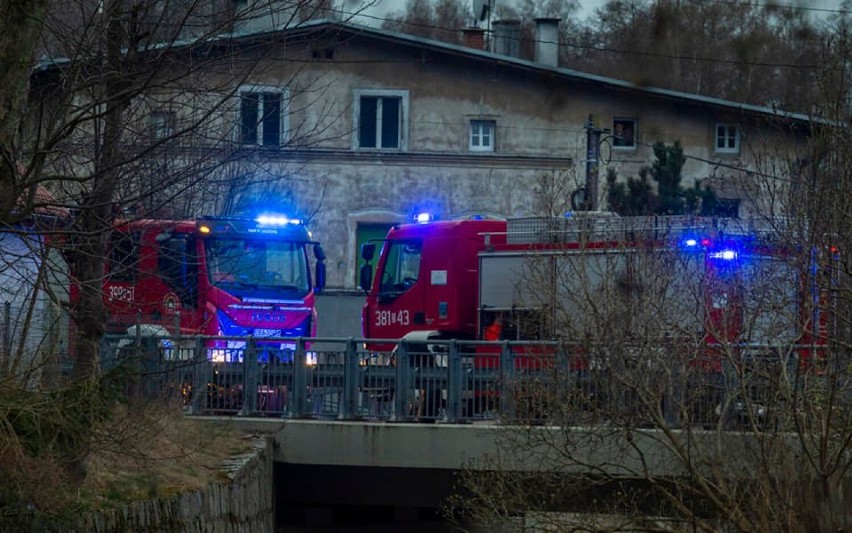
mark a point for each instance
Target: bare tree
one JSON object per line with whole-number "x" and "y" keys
{"x": 129, "y": 119}
{"x": 125, "y": 110}
{"x": 740, "y": 51}
{"x": 692, "y": 388}
{"x": 442, "y": 20}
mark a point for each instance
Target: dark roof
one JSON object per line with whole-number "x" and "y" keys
{"x": 526, "y": 65}
{"x": 353, "y": 29}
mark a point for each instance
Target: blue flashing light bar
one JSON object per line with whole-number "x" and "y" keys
{"x": 423, "y": 218}
{"x": 695, "y": 242}
{"x": 276, "y": 220}
{"x": 727, "y": 255}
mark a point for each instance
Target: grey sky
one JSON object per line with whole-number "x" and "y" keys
{"x": 380, "y": 8}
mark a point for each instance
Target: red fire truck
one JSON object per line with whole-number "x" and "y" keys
{"x": 214, "y": 276}
{"x": 715, "y": 280}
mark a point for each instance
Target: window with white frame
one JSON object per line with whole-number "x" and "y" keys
{"x": 381, "y": 119}
{"x": 263, "y": 115}
{"x": 727, "y": 138}
{"x": 482, "y": 135}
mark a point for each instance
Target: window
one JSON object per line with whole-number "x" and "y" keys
{"x": 177, "y": 266}
{"x": 381, "y": 119}
{"x": 727, "y": 138}
{"x": 624, "y": 133}
{"x": 727, "y": 207}
{"x": 272, "y": 266}
{"x": 123, "y": 260}
{"x": 262, "y": 117}
{"x": 482, "y": 135}
{"x": 402, "y": 267}
{"x": 162, "y": 124}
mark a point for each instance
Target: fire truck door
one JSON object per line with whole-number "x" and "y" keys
{"x": 402, "y": 284}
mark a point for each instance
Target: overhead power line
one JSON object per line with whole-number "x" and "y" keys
{"x": 635, "y": 53}
{"x": 774, "y": 5}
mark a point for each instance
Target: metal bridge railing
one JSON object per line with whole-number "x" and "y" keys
{"x": 455, "y": 381}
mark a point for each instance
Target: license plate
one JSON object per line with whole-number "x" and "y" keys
{"x": 267, "y": 332}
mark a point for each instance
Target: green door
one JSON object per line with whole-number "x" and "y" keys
{"x": 369, "y": 231}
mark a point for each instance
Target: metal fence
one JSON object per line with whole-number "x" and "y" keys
{"x": 453, "y": 381}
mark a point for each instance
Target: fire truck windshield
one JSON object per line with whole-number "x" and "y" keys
{"x": 255, "y": 264}
{"x": 402, "y": 267}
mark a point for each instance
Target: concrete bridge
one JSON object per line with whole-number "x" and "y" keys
{"x": 327, "y": 462}
{"x": 350, "y": 429}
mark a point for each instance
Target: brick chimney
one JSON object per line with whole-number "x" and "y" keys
{"x": 474, "y": 38}
{"x": 547, "y": 41}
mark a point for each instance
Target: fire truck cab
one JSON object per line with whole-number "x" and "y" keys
{"x": 214, "y": 276}
{"x": 427, "y": 279}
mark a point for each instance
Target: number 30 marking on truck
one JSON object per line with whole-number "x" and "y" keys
{"x": 390, "y": 318}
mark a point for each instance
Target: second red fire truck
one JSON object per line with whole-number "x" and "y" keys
{"x": 715, "y": 280}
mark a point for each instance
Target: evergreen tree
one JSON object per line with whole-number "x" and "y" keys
{"x": 666, "y": 171}
{"x": 637, "y": 196}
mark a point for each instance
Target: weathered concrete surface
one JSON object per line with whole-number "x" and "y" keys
{"x": 451, "y": 447}
{"x": 417, "y": 465}
{"x": 243, "y": 505}
{"x": 339, "y": 314}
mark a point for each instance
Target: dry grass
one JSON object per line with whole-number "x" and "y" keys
{"x": 156, "y": 452}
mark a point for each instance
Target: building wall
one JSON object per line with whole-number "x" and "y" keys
{"x": 20, "y": 297}
{"x": 33, "y": 325}
{"x": 539, "y": 131}
{"x": 540, "y": 118}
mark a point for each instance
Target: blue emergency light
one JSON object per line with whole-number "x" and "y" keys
{"x": 423, "y": 218}
{"x": 727, "y": 255}
{"x": 276, "y": 220}
{"x": 703, "y": 243}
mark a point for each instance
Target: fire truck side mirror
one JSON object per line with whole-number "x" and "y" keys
{"x": 319, "y": 253}
{"x": 365, "y": 279}
{"x": 319, "y": 285}
{"x": 319, "y": 274}
{"x": 368, "y": 250}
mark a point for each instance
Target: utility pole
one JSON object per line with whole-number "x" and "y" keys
{"x": 593, "y": 136}
{"x": 490, "y": 9}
